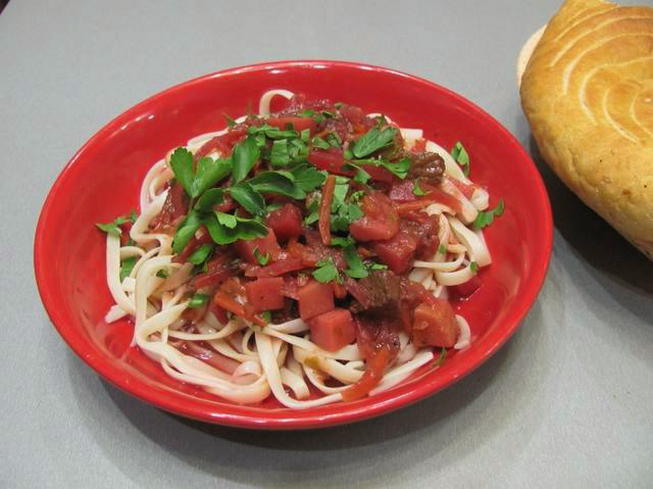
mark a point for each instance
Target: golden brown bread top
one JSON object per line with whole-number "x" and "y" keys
{"x": 587, "y": 92}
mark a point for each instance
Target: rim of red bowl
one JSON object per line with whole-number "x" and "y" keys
{"x": 232, "y": 414}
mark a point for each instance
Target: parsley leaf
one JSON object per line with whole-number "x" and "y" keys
{"x": 262, "y": 259}
{"x": 399, "y": 168}
{"x": 442, "y": 249}
{"x": 339, "y": 241}
{"x": 327, "y": 271}
{"x": 459, "y": 153}
{"x": 417, "y": 190}
{"x": 307, "y": 177}
{"x": 376, "y": 266}
{"x": 209, "y": 172}
{"x": 355, "y": 266}
{"x": 372, "y": 141}
{"x": 181, "y": 163}
{"x": 230, "y": 121}
{"x": 320, "y": 143}
{"x": 127, "y": 266}
{"x": 201, "y": 254}
{"x": 473, "y": 266}
{"x": 185, "y": 231}
{"x": 114, "y": 226}
{"x": 334, "y": 140}
{"x": 226, "y": 230}
{"x": 441, "y": 357}
{"x": 210, "y": 198}
{"x": 198, "y": 300}
{"x": 246, "y": 195}
{"x": 272, "y": 132}
{"x": 313, "y": 207}
{"x": 163, "y": 273}
{"x": 279, "y": 155}
{"x": 484, "y": 219}
{"x": 276, "y": 182}
{"x": 245, "y": 156}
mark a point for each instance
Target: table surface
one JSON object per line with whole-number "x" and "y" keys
{"x": 566, "y": 403}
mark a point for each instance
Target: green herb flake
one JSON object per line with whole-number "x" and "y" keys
{"x": 226, "y": 229}
{"x": 376, "y": 266}
{"x": 230, "y": 121}
{"x": 163, "y": 273}
{"x": 308, "y": 178}
{"x": 277, "y": 182}
{"x": 442, "y": 249}
{"x": 441, "y": 357}
{"x": 473, "y": 266}
{"x": 326, "y": 271}
{"x": 267, "y": 316}
{"x": 181, "y": 162}
{"x": 261, "y": 258}
{"x": 198, "y": 300}
{"x": 485, "y": 218}
{"x": 209, "y": 172}
{"x": 185, "y": 231}
{"x": 249, "y": 197}
{"x": 459, "y": 153}
{"x": 201, "y": 254}
{"x": 373, "y": 140}
{"x": 113, "y": 227}
{"x": 245, "y": 156}
{"x": 320, "y": 143}
{"x": 417, "y": 190}
{"x": 279, "y": 155}
{"x": 127, "y": 266}
{"x": 355, "y": 266}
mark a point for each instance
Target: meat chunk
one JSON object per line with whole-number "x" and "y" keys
{"x": 426, "y": 166}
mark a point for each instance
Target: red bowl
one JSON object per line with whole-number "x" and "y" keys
{"x": 103, "y": 178}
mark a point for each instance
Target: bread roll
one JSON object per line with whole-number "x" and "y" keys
{"x": 587, "y": 92}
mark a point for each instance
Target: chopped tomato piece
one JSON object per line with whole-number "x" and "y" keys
{"x": 330, "y": 160}
{"x": 376, "y": 365}
{"x": 333, "y": 330}
{"x": 265, "y": 246}
{"x": 286, "y": 222}
{"x": 223, "y": 300}
{"x": 379, "y": 173}
{"x": 434, "y": 324}
{"x": 397, "y": 252}
{"x": 223, "y": 143}
{"x": 174, "y": 208}
{"x": 277, "y": 268}
{"x": 296, "y": 123}
{"x": 218, "y": 270}
{"x": 264, "y": 294}
{"x": 380, "y": 220}
{"x": 315, "y": 298}
{"x": 466, "y": 289}
{"x": 402, "y": 192}
{"x": 420, "y": 145}
{"x": 467, "y": 189}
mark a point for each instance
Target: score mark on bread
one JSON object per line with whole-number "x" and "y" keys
{"x": 587, "y": 92}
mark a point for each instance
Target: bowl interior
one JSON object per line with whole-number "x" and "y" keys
{"x": 103, "y": 179}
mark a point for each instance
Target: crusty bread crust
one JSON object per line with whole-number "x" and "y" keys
{"x": 587, "y": 93}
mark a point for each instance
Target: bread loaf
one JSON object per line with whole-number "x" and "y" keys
{"x": 587, "y": 92}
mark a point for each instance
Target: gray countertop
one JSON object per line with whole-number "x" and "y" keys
{"x": 566, "y": 403}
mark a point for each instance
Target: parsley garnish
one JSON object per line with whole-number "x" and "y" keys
{"x": 198, "y": 300}
{"x": 262, "y": 259}
{"x": 417, "y": 190}
{"x": 326, "y": 271}
{"x": 441, "y": 357}
{"x": 127, "y": 266}
{"x": 246, "y": 195}
{"x": 163, "y": 273}
{"x": 459, "y": 153}
{"x": 201, "y": 254}
{"x": 486, "y": 218}
{"x": 355, "y": 266}
{"x": 442, "y": 249}
{"x": 226, "y": 228}
{"x": 473, "y": 266}
{"x": 113, "y": 227}
{"x": 373, "y": 140}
